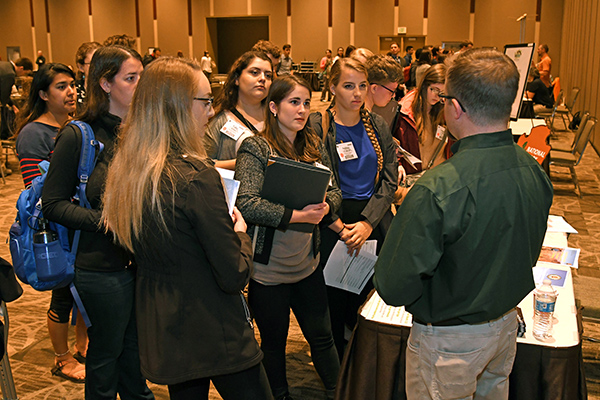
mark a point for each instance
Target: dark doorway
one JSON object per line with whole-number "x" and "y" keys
{"x": 231, "y": 37}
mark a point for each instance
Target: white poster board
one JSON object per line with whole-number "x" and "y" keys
{"x": 522, "y": 55}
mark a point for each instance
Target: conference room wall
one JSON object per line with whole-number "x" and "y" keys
{"x": 495, "y": 23}
{"x": 580, "y": 57}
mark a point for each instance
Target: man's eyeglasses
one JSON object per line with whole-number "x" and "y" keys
{"x": 209, "y": 100}
{"x": 443, "y": 98}
{"x": 386, "y": 88}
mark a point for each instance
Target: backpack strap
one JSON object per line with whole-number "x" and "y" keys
{"x": 87, "y": 162}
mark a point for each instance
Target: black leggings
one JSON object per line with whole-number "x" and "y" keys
{"x": 61, "y": 305}
{"x": 344, "y": 305}
{"x": 249, "y": 384}
{"x": 271, "y": 308}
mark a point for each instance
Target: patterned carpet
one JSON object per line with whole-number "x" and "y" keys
{"x": 31, "y": 355}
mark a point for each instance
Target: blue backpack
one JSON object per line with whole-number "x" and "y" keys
{"x": 29, "y": 218}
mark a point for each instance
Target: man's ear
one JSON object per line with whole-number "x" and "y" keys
{"x": 457, "y": 111}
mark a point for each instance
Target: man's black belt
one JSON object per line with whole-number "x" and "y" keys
{"x": 446, "y": 322}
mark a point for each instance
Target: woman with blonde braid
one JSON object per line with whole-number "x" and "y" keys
{"x": 365, "y": 166}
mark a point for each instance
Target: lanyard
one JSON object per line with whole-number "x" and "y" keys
{"x": 239, "y": 116}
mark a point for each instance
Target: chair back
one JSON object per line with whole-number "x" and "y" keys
{"x": 558, "y": 100}
{"x": 579, "y": 131}
{"x": 571, "y": 101}
{"x": 584, "y": 139}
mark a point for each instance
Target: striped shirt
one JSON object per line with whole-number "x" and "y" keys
{"x": 35, "y": 143}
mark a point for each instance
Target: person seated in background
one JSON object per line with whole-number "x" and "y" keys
{"x": 538, "y": 92}
{"x": 49, "y": 105}
{"x": 8, "y": 72}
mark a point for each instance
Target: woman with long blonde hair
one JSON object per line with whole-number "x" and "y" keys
{"x": 364, "y": 163}
{"x": 165, "y": 202}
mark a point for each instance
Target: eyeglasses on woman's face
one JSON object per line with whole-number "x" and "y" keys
{"x": 208, "y": 101}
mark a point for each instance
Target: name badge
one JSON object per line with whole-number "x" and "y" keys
{"x": 233, "y": 129}
{"x": 346, "y": 151}
{"x": 440, "y": 133}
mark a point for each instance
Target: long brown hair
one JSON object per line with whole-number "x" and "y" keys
{"x": 160, "y": 125}
{"x": 434, "y": 74}
{"x": 306, "y": 146}
{"x": 106, "y": 63}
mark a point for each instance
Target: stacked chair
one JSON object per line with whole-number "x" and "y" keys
{"x": 567, "y": 108}
{"x": 570, "y": 158}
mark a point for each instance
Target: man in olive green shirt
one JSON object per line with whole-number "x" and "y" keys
{"x": 460, "y": 250}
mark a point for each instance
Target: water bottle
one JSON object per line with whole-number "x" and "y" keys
{"x": 50, "y": 259}
{"x": 544, "y": 300}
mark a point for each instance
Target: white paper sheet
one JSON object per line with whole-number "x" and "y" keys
{"x": 347, "y": 272}
{"x": 557, "y": 223}
{"x": 375, "y": 309}
{"x": 231, "y": 187}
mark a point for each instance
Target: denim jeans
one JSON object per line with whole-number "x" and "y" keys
{"x": 463, "y": 361}
{"x": 113, "y": 361}
{"x": 271, "y": 308}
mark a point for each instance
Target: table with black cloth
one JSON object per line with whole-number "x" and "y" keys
{"x": 374, "y": 362}
{"x": 312, "y": 78}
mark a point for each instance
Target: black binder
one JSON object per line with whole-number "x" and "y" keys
{"x": 295, "y": 185}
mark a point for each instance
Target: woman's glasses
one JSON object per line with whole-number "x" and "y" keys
{"x": 208, "y": 100}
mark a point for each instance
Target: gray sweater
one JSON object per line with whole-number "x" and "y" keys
{"x": 264, "y": 215}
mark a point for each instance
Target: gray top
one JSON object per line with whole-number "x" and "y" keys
{"x": 218, "y": 145}
{"x": 291, "y": 259}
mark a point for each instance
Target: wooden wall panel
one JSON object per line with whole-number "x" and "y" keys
{"x": 112, "y": 17}
{"x": 69, "y": 27}
{"x": 442, "y": 17}
{"x": 309, "y": 30}
{"x": 369, "y": 26}
{"x": 410, "y": 16}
